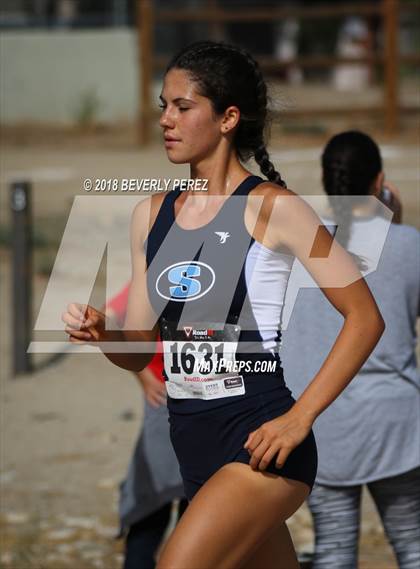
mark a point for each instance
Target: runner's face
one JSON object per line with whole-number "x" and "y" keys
{"x": 191, "y": 129}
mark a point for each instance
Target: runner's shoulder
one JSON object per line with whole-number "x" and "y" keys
{"x": 273, "y": 194}
{"x": 271, "y": 190}
{"x": 146, "y": 212}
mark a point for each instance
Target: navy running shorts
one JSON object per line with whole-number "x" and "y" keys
{"x": 207, "y": 440}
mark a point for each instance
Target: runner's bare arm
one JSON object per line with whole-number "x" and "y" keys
{"x": 85, "y": 324}
{"x": 140, "y": 323}
{"x": 288, "y": 224}
{"x": 292, "y": 224}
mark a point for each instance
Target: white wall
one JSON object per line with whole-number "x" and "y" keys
{"x": 45, "y": 75}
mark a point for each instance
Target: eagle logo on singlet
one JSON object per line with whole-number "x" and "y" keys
{"x": 185, "y": 281}
{"x": 223, "y": 236}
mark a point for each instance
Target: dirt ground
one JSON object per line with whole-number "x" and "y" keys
{"x": 68, "y": 428}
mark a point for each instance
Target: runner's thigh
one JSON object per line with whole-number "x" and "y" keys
{"x": 276, "y": 552}
{"x": 230, "y": 517}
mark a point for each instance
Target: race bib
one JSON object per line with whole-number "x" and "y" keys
{"x": 197, "y": 360}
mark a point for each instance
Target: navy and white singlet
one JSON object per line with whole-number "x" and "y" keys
{"x": 218, "y": 276}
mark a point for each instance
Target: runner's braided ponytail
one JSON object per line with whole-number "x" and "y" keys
{"x": 351, "y": 161}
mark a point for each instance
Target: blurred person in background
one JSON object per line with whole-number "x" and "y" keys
{"x": 153, "y": 480}
{"x": 354, "y": 40}
{"x": 371, "y": 434}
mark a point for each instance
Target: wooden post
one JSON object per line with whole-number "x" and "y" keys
{"x": 391, "y": 25}
{"x": 20, "y": 203}
{"x": 145, "y": 28}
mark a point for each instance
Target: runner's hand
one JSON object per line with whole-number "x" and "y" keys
{"x": 276, "y": 437}
{"x": 84, "y": 323}
{"x": 391, "y": 197}
{"x": 154, "y": 390}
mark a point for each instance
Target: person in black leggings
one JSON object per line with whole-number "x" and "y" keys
{"x": 144, "y": 537}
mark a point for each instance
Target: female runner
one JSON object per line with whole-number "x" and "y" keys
{"x": 245, "y": 446}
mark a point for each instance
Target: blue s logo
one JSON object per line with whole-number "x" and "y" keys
{"x": 183, "y": 277}
{"x": 190, "y": 280}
